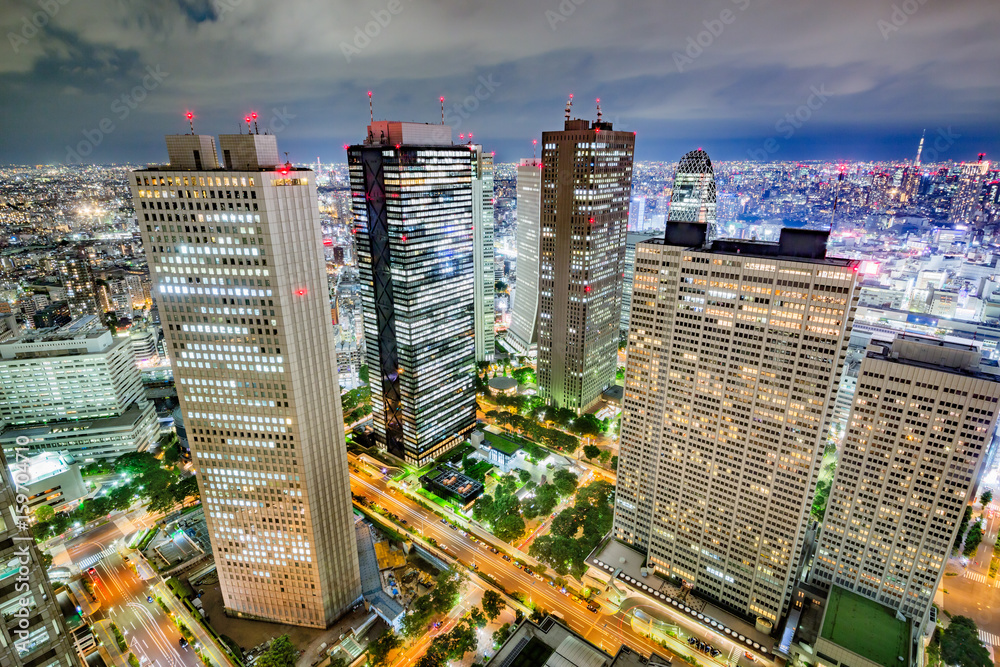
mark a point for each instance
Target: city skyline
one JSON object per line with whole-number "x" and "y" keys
{"x": 816, "y": 82}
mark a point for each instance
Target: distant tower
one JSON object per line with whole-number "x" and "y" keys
{"x": 693, "y": 196}
{"x": 920, "y": 149}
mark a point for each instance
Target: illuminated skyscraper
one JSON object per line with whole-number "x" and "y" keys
{"x": 966, "y": 202}
{"x": 236, "y": 259}
{"x": 586, "y": 184}
{"x": 902, "y": 484}
{"x": 734, "y": 354}
{"x": 413, "y": 202}
{"x": 482, "y": 244}
{"x": 78, "y": 279}
{"x": 630, "y": 244}
{"x": 693, "y": 195}
{"x": 523, "y": 331}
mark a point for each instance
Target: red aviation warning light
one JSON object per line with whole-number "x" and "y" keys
{"x": 327, "y": 242}
{"x": 301, "y": 291}
{"x": 586, "y": 289}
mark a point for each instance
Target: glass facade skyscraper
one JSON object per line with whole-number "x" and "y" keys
{"x": 413, "y": 205}
{"x": 482, "y": 237}
{"x": 693, "y": 196}
{"x": 586, "y": 185}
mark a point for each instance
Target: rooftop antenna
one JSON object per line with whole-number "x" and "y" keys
{"x": 247, "y": 119}
{"x": 599, "y": 114}
{"x": 442, "y": 109}
{"x": 253, "y": 115}
{"x": 534, "y": 142}
{"x": 371, "y": 109}
{"x": 569, "y": 105}
{"x": 470, "y": 138}
{"x": 190, "y": 117}
{"x": 981, "y": 156}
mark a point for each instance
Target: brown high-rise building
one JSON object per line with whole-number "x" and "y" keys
{"x": 586, "y": 185}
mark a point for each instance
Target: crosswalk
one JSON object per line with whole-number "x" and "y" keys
{"x": 975, "y": 576}
{"x": 90, "y": 560}
{"x": 989, "y": 638}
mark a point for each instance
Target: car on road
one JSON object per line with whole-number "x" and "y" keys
{"x": 592, "y": 608}
{"x": 505, "y": 557}
{"x": 93, "y": 571}
{"x": 183, "y": 642}
{"x": 444, "y": 521}
{"x": 494, "y": 550}
{"x": 149, "y": 598}
{"x": 403, "y": 521}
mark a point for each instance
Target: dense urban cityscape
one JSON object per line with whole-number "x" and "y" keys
{"x": 550, "y": 394}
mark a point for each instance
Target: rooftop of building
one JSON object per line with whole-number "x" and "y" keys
{"x": 865, "y": 627}
{"x": 799, "y": 245}
{"x": 462, "y": 486}
{"x": 87, "y": 327}
{"x": 945, "y": 356}
{"x": 44, "y": 465}
{"x": 503, "y": 383}
{"x": 63, "y": 428}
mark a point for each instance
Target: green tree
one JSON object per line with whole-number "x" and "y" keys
{"x": 614, "y": 462}
{"x": 510, "y": 528}
{"x": 484, "y": 510}
{"x": 524, "y": 476}
{"x": 973, "y": 539}
{"x": 46, "y": 559}
{"x": 591, "y": 451}
{"x": 565, "y": 481}
{"x": 477, "y": 617}
{"x": 44, "y": 513}
{"x": 493, "y": 604}
{"x": 121, "y": 497}
{"x": 363, "y": 374}
{"x": 500, "y": 636}
{"x": 447, "y": 590}
{"x": 382, "y": 646}
{"x": 420, "y": 612}
{"x": 605, "y": 456}
{"x": 960, "y": 644}
{"x": 963, "y": 526}
{"x": 985, "y": 499}
{"x": 820, "y": 499}
{"x": 281, "y": 653}
{"x": 185, "y": 488}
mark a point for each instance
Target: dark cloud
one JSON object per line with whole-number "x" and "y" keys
{"x": 722, "y": 74}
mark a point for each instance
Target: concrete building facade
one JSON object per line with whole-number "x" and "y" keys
{"x": 235, "y": 255}
{"x": 923, "y": 417}
{"x": 734, "y": 354}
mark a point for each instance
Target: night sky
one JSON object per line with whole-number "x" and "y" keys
{"x": 864, "y": 76}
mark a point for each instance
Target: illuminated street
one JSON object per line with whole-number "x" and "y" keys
{"x": 151, "y": 634}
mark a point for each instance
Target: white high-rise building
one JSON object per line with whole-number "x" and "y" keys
{"x": 76, "y": 388}
{"x": 235, "y": 256}
{"x": 923, "y": 416}
{"x": 483, "y": 252}
{"x": 734, "y": 352}
{"x": 523, "y": 331}
{"x": 631, "y": 240}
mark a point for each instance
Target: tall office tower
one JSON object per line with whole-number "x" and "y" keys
{"x": 734, "y": 354}
{"x": 631, "y": 240}
{"x": 693, "y": 195}
{"x": 523, "y": 331}
{"x": 482, "y": 245}
{"x": 412, "y": 194}
{"x": 636, "y": 214}
{"x": 920, "y": 149}
{"x": 26, "y": 598}
{"x": 966, "y": 202}
{"x": 586, "y": 185}
{"x": 76, "y": 388}
{"x": 78, "y": 279}
{"x": 240, "y": 282}
{"x": 878, "y": 193}
{"x": 902, "y": 484}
